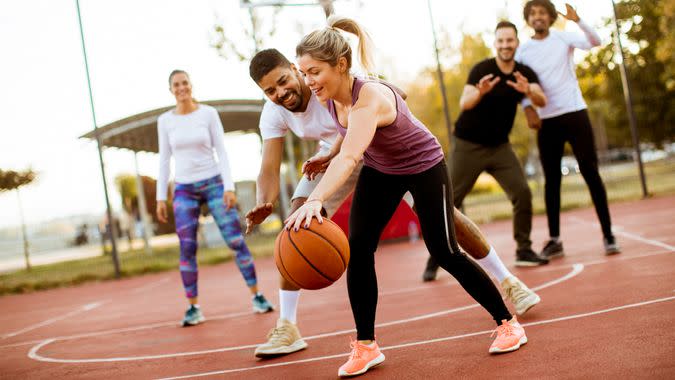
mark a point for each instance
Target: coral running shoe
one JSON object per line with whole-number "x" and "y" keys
{"x": 363, "y": 357}
{"x": 510, "y": 336}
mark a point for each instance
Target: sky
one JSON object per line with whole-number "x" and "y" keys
{"x": 132, "y": 46}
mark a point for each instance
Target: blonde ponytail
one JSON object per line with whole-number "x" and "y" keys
{"x": 328, "y": 45}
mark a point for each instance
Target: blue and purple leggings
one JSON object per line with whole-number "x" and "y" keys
{"x": 186, "y": 206}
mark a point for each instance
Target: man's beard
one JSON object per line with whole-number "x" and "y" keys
{"x": 298, "y": 102}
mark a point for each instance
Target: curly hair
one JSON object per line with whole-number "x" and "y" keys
{"x": 550, "y": 8}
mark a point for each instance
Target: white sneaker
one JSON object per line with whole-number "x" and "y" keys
{"x": 522, "y": 297}
{"x": 283, "y": 339}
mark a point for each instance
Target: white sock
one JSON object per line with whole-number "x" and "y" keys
{"x": 494, "y": 265}
{"x": 288, "y": 305}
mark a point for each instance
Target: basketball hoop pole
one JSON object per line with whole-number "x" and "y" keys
{"x": 628, "y": 99}
{"x": 111, "y": 220}
{"x": 441, "y": 81}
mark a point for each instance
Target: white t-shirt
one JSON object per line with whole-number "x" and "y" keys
{"x": 315, "y": 123}
{"x": 552, "y": 61}
{"x": 191, "y": 139}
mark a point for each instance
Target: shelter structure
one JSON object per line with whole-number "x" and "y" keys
{"x": 138, "y": 133}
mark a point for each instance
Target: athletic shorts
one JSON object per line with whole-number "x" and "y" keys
{"x": 305, "y": 188}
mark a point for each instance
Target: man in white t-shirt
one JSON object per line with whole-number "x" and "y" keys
{"x": 293, "y": 106}
{"x": 565, "y": 117}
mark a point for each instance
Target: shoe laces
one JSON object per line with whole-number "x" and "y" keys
{"x": 279, "y": 334}
{"x": 357, "y": 350}
{"x": 505, "y": 329}
{"x": 516, "y": 292}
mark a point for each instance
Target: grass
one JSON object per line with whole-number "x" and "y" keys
{"x": 622, "y": 184}
{"x": 132, "y": 263}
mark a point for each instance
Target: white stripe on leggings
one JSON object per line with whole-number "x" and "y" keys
{"x": 445, "y": 220}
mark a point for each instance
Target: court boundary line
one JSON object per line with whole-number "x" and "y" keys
{"x": 33, "y": 352}
{"x": 430, "y": 341}
{"x": 81, "y": 309}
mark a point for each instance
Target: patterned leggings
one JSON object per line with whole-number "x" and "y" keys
{"x": 186, "y": 206}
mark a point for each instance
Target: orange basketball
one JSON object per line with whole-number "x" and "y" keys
{"x": 314, "y": 257}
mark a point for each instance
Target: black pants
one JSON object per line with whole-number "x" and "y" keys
{"x": 376, "y": 197}
{"x": 469, "y": 160}
{"x": 575, "y": 128}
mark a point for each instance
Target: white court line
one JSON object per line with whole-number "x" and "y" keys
{"x": 619, "y": 231}
{"x": 150, "y": 285}
{"x": 124, "y": 329}
{"x": 33, "y": 353}
{"x": 430, "y": 341}
{"x": 416, "y": 288}
{"x": 87, "y": 307}
{"x": 167, "y": 324}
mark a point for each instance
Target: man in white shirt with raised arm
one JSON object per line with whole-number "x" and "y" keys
{"x": 565, "y": 117}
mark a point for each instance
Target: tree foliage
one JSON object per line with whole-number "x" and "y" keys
{"x": 255, "y": 33}
{"x": 126, "y": 185}
{"x": 648, "y": 54}
{"x": 11, "y": 180}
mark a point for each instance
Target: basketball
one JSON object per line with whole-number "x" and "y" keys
{"x": 312, "y": 258}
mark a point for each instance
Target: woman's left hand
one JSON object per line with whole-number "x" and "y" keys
{"x": 229, "y": 199}
{"x": 311, "y": 209}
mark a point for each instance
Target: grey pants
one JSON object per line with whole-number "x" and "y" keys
{"x": 469, "y": 160}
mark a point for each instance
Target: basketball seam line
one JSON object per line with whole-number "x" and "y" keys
{"x": 334, "y": 247}
{"x": 307, "y": 261}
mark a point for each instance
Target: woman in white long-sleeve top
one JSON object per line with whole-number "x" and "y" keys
{"x": 191, "y": 133}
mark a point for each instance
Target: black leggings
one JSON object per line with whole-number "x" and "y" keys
{"x": 376, "y": 197}
{"x": 574, "y": 127}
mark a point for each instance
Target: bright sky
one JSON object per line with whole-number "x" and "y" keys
{"x": 132, "y": 45}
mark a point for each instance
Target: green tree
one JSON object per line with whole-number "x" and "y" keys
{"x": 424, "y": 95}
{"x": 12, "y": 180}
{"x": 646, "y": 36}
{"x": 665, "y": 47}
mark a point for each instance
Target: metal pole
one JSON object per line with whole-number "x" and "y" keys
{"x": 111, "y": 221}
{"x": 628, "y": 98}
{"x": 143, "y": 209}
{"x": 24, "y": 234}
{"x": 446, "y": 110}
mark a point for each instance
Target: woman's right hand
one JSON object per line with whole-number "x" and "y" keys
{"x": 162, "y": 214}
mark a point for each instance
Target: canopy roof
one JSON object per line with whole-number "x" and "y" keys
{"x": 139, "y": 132}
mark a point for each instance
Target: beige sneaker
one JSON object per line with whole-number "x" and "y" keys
{"x": 282, "y": 340}
{"x": 522, "y": 297}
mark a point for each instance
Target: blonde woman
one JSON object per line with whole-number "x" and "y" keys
{"x": 400, "y": 154}
{"x": 191, "y": 133}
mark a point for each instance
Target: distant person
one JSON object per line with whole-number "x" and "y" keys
{"x": 191, "y": 133}
{"x": 400, "y": 155}
{"x": 481, "y": 139}
{"x": 565, "y": 117}
{"x": 294, "y": 107}
{"x": 82, "y": 236}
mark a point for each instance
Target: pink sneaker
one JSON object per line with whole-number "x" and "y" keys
{"x": 362, "y": 358}
{"x": 510, "y": 336}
